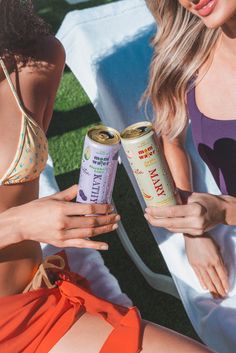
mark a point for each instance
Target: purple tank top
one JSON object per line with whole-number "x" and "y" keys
{"x": 215, "y": 141}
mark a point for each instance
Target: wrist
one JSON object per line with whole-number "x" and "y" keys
{"x": 229, "y": 209}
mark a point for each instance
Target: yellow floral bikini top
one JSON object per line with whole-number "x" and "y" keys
{"x": 32, "y": 151}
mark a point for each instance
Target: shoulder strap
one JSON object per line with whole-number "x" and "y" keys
{"x": 12, "y": 86}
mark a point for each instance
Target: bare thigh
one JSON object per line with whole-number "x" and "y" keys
{"x": 89, "y": 333}
{"x": 158, "y": 339}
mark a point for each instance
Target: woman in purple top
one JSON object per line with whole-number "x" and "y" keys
{"x": 193, "y": 75}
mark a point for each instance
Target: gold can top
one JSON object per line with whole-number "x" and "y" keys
{"x": 137, "y": 130}
{"x": 104, "y": 135}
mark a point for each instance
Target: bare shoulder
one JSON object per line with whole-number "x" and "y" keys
{"x": 40, "y": 78}
{"x": 48, "y": 60}
{"x": 52, "y": 51}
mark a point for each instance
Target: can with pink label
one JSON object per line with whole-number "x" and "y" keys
{"x": 99, "y": 165}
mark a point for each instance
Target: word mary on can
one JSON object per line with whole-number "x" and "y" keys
{"x": 149, "y": 165}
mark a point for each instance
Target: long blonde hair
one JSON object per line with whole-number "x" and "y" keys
{"x": 181, "y": 45}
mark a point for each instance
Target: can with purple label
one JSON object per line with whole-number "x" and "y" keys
{"x": 99, "y": 165}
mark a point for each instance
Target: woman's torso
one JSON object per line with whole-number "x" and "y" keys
{"x": 34, "y": 87}
{"x": 214, "y": 131}
{"x": 215, "y": 140}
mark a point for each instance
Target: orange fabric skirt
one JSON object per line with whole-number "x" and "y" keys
{"x": 33, "y": 322}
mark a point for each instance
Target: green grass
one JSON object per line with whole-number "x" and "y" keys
{"x": 74, "y": 99}
{"x": 73, "y": 115}
{"x": 53, "y": 11}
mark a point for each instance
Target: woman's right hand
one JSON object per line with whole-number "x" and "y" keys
{"x": 58, "y": 221}
{"x": 205, "y": 258}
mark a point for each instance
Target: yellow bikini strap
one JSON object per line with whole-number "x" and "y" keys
{"x": 12, "y": 87}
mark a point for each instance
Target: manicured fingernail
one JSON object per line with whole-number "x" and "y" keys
{"x": 115, "y": 226}
{"x": 146, "y": 216}
{"x": 104, "y": 247}
{"x": 146, "y": 210}
{"x": 111, "y": 208}
{"x": 117, "y": 218}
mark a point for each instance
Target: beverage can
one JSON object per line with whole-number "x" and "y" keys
{"x": 99, "y": 165}
{"x": 145, "y": 155}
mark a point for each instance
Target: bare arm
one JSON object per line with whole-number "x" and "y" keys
{"x": 9, "y": 230}
{"x": 58, "y": 221}
{"x": 56, "y": 63}
{"x": 203, "y": 253}
{"x": 203, "y": 211}
{"x": 178, "y": 161}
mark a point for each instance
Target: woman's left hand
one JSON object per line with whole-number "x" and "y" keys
{"x": 200, "y": 214}
{"x": 204, "y": 256}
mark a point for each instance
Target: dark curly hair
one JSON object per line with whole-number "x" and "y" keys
{"x": 20, "y": 28}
